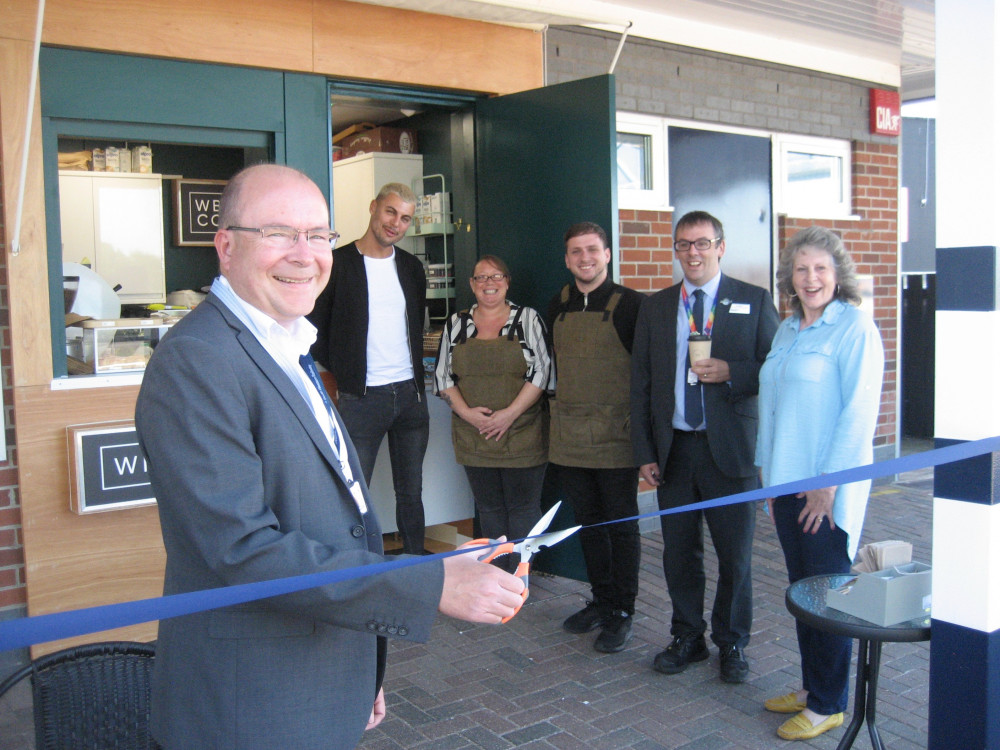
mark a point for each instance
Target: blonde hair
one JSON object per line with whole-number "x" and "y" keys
{"x": 397, "y": 188}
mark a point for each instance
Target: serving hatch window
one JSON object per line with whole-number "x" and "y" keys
{"x": 642, "y": 161}
{"x": 813, "y": 177}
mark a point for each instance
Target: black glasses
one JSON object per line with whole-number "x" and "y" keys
{"x": 285, "y": 238}
{"x": 484, "y": 277}
{"x": 702, "y": 243}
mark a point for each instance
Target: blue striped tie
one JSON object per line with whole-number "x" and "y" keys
{"x": 694, "y": 415}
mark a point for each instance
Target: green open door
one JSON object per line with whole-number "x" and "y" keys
{"x": 545, "y": 159}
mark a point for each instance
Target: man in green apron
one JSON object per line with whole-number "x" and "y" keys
{"x": 592, "y": 323}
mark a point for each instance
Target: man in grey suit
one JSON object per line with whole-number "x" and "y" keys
{"x": 256, "y": 479}
{"x": 694, "y": 429}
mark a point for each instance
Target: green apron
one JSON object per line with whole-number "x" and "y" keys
{"x": 491, "y": 373}
{"x": 590, "y": 413}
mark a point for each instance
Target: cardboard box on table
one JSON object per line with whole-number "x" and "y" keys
{"x": 886, "y": 597}
{"x": 381, "y": 139}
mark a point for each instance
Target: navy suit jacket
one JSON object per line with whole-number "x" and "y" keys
{"x": 742, "y": 340}
{"x": 248, "y": 489}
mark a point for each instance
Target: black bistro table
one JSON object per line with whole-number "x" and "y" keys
{"x": 806, "y": 600}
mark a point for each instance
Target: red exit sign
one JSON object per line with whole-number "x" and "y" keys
{"x": 886, "y": 117}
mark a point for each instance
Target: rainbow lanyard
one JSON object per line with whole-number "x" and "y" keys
{"x": 690, "y": 313}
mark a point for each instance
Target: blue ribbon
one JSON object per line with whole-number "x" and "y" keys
{"x": 27, "y": 631}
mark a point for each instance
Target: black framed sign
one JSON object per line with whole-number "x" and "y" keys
{"x": 196, "y": 211}
{"x": 107, "y": 469}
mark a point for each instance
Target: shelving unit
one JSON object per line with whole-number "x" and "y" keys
{"x": 443, "y": 229}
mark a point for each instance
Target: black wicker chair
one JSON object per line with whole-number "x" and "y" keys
{"x": 92, "y": 697}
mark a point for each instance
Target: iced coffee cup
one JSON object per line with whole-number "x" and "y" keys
{"x": 699, "y": 347}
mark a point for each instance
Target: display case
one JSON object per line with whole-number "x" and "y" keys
{"x": 121, "y": 345}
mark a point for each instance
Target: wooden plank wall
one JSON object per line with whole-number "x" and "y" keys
{"x": 331, "y": 37}
{"x": 72, "y": 560}
{"x": 75, "y": 561}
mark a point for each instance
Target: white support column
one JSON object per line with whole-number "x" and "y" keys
{"x": 965, "y": 633}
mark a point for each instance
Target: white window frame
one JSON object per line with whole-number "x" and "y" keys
{"x": 656, "y": 198}
{"x": 790, "y": 203}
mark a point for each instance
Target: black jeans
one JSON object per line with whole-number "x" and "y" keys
{"x": 399, "y": 410}
{"x": 611, "y": 552}
{"x": 691, "y": 476}
{"x": 508, "y": 499}
{"x": 826, "y": 658}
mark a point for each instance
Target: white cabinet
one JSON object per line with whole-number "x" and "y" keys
{"x": 114, "y": 223}
{"x": 358, "y": 179}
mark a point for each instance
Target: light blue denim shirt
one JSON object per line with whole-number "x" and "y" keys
{"x": 820, "y": 389}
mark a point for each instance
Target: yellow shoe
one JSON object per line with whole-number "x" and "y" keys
{"x": 785, "y": 704}
{"x": 800, "y": 728}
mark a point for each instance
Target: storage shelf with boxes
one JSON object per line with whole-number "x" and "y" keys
{"x": 366, "y": 138}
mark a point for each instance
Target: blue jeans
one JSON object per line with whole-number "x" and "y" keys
{"x": 826, "y": 658}
{"x": 399, "y": 411}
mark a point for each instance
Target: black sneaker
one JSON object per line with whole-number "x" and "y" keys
{"x": 589, "y": 618}
{"x": 733, "y": 667}
{"x": 681, "y": 652}
{"x": 616, "y": 633}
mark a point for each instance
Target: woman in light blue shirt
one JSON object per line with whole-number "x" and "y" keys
{"x": 820, "y": 389}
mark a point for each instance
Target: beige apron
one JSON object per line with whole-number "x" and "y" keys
{"x": 491, "y": 373}
{"x": 590, "y": 413}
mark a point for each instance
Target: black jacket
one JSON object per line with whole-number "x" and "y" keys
{"x": 341, "y": 315}
{"x": 741, "y": 338}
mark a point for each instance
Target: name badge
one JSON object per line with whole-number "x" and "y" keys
{"x": 740, "y": 308}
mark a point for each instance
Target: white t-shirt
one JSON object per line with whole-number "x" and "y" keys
{"x": 388, "y": 348}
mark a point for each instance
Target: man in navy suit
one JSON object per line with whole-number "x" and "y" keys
{"x": 256, "y": 479}
{"x": 694, "y": 428}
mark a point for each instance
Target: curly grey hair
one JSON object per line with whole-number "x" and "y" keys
{"x": 819, "y": 238}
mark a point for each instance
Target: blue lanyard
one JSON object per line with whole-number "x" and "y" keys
{"x": 309, "y": 365}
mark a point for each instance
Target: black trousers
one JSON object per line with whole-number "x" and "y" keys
{"x": 691, "y": 476}
{"x": 611, "y": 552}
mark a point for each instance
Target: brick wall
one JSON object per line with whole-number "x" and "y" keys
{"x": 668, "y": 80}
{"x": 12, "y": 591}
{"x": 646, "y": 248}
{"x": 871, "y": 241}
{"x": 656, "y": 78}
{"x": 645, "y": 240}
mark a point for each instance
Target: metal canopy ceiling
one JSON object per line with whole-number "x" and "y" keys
{"x": 885, "y": 41}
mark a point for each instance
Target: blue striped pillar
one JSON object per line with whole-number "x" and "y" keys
{"x": 965, "y": 629}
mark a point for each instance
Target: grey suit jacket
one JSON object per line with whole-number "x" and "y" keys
{"x": 248, "y": 489}
{"x": 742, "y": 340}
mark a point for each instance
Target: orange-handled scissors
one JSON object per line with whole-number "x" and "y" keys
{"x": 526, "y": 548}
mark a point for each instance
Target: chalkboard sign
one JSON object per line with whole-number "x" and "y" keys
{"x": 107, "y": 469}
{"x": 196, "y": 211}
